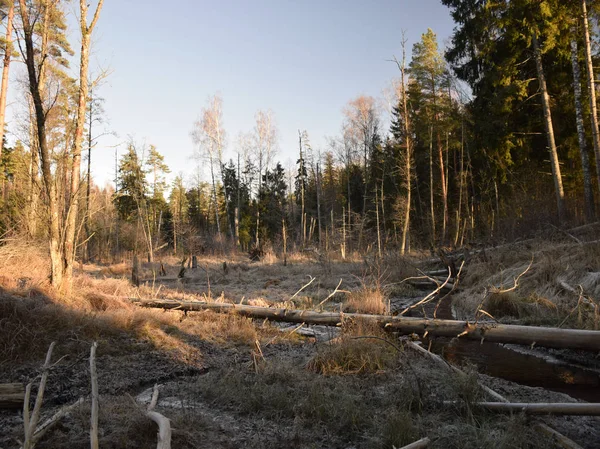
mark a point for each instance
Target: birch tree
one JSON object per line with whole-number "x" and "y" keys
{"x": 265, "y": 144}
{"x": 583, "y": 152}
{"x": 209, "y": 136}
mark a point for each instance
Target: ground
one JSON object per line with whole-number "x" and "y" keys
{"x": 227, "y": 381}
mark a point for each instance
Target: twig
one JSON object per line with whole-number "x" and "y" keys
{"x": 429, "y": 296}
{"x": 456, "y": 281}
{"x": 32, "y": 420}
{"x": 164, "y": 424}
{"x": 331, "y": 295}
{"x": 51, "y": 422}
{"x": 304, "y": 286}
{"x": 94, "y": 413}
{"x": 567, "y": 234}
{"x": 516, "y": 284}
{"x": 419, "y": 444}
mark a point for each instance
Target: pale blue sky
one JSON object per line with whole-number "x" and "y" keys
{"x": 304, "y": 60}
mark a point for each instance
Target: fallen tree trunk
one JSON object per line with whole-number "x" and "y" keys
{"x": 549, "y": 408}
{"x": 493, "y": 332}
{"x": 420, "y": 444}
{"x": 12, "y": 396}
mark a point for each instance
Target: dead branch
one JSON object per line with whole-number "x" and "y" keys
{"x": 331, "y": 295}
{"x": 164, "y": 424}
{"x": 419, "y": 444}
{"x": 31, "y": 421}
{"x": 94, "y": 412}
{"x": 446, "y": 365}
{"x": 430, "y": 296}
{"x": 557, "y": 437}
{"x": 548, "y": 408}
{"x": 516, "y": 283}
{"x": 304, "y": 286}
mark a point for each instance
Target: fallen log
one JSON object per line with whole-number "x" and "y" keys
{"x": 547, "y": 408}
{"x": 488, "y": 331}
{"x": 556, "y": 436}
{"x": 12, "y": 396}
{"x": 419, "y": 444}
{"x": 431, "y": 284}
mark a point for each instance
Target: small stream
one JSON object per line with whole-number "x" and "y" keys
{"x": 535, "y": 368}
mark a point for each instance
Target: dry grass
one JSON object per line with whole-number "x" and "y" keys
{"x": 370, "y": 300}
{"x": 362, "y": 348}
{"x": 561, "y": 286}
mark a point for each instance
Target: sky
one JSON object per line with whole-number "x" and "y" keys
{"x": 302, "y": 59}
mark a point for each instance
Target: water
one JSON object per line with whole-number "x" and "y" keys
{"x": 533, "y": 368}
{"x": 526, "y": 369}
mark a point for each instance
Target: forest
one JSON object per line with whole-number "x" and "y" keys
{"x": 458, "y": 211}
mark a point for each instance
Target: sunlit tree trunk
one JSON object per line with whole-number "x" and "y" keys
{"x": 5, "y": 69}
{"x": 583, "y": 152}
{"x": 591, "y": 88}
{"x": 556, "y": 175}
{"x": 56, "y": 262}
{"x": 71, "y": 221}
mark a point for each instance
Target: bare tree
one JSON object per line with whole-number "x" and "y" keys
{"x": 403, "y": 97}
{"x": 208, "y": 134}
{"x": 362, "y": 118}
{"x": 86, "y": 37}
{"x": 265, "y": 143}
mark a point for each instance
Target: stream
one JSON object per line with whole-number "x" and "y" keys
{"x": 531, "y": 367}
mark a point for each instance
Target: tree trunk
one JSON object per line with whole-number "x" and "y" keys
{"x": 319, "y": 203}
{"x": 377, "y": 223}
{"x": 56, "y": 262}
{"x": 73, "y": 209}
{"x": 215, "y": 199}
{"x": 12, "y": 396}
{"x": 88, "y": 190}
{"x": 591, "y": 88}
{"x": 441, "y": 162}
{"x": 558, "y": 185}
{"x": 431, "y": 203}
{"x": 408, "y": 157}
{"x": 583, "y": 152}
{"x": 493, "y": 332}
{"x": 4, "y": 87}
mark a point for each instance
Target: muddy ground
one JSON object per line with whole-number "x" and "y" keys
{"x": 228, "y": 382}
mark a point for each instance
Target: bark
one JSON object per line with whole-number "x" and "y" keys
{"x": 319, "y": 203}
{"x": 12, "y": 396}
{"x": 5, "y": 69}
{"x": 56, "y": 262}
{"x": 583, "y": 152}
{"x": 492, "y": 332}
{"x": 88, "y": 190}
{"x": 591, "y": 88}
{"x": 71, "y": 221}
{"x": 408, "y": 157}
{"x": 558, "y": 186}
{"x": 419, "y": 444}
{"x": 441, "y": 162}
{"x": 431, "y": 203}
